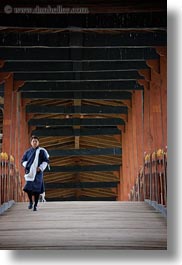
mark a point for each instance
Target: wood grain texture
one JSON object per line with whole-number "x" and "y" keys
{"x": 83, "y": 225}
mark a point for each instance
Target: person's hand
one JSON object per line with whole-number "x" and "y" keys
{"x": 38, "y": 169}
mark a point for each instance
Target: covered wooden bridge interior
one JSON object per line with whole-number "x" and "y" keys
{"x": 90, "y": 79}
{"x": 92, "y": 86}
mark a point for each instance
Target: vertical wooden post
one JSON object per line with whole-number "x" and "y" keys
{"x": 124, "y": 166}
{"x": 134, "y": 137}
{"x": 147, "y": 133}
{"x": 20, "y": 133}
{"x": 139, "y": 128}
{"x": 130, "y": 148}
{"x": 155, "y": 105}
{"x": 7, "y": 142}
{"x": 8, "y": 111}
{"x": 23, "y": 135}
{"x": 162, "y": 51}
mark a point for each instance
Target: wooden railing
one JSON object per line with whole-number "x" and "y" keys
{"x": 10, "y": 181}
{"x": 151, "y": 182}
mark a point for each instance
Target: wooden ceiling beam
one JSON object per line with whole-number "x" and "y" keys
{"x": 77, "y": 54}
{"x": 111, "y": 95}
{"x": 81, "y": 152}
{"x": 80, "y": 185}
{"x": 79, "y": 22}
{"x": 78, "y": 168}
{"x": 68, "y": 78}
{"x": 76, "y": 121}
{"x": 82, "y": 86}
{"x": 60, "y": 132}
{"x": 62, "y": 66}
{"x": 89, "y": 109}
{"x": 91, "y": 39}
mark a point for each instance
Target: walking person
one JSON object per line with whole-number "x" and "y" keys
{"x": 35, "y": 161}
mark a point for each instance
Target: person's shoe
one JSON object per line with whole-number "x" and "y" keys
{"x": 30, "y": 205}
{"x": 35, "y": 208}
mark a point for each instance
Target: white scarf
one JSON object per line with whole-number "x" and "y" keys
{"x": 33, "y": 169}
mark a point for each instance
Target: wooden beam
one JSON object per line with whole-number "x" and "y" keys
{"x": 79, "y": 95}
{"x": 80, "y": 152}
{"x": 81, "y": 185}
{"x": 78, "y": 168}
{"x": 69, "y": 54}
{"x": 80, "y": 85}
{"x": 89, "y": 109}
{"x": 91, "y": 39}
{"x": 81, "y": 132}
{"x": 76, "y": 121}
{"x": 79, "y": 22}
{"x": 29, "y": 66}
{"x": 65, "y": 77}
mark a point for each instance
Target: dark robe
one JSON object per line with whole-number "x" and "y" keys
{"x": 36, "y": 186}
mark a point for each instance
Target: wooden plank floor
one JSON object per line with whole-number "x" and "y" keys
{"x": 83, "y": 225}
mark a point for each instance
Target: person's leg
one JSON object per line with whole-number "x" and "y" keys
{"x": 36, "y": 195}
{"x": 30, "y": 199}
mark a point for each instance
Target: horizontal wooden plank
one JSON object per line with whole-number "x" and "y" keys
{"x": 69, "y": 53}
{"x": 106, "y": 109}
{"x": 70, "y": 77}
{"x": 78, "y": 168}
{"x": 77, "y": 95}
{"x": 91, "y": 39}
{"x": 80, "y": 152}
{"x": 79, "y": 85}
{"x": 144, "y": 20}
{"x": 81, "y": 185}
{"x": 77, "y": 132}
{"x": 76, "y": 121}
{"x": 34, "y": 66}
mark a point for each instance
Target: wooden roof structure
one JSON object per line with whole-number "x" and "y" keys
{"x": 79, "y": 69}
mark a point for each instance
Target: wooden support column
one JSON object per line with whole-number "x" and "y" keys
{"x": 134, "y": 137}
{"x": 124, "y": 166}
{"x": 23, "y": 127}
{"x": 147, "y": 134}
{"x": 132, "y": 145}
{"x": 17, "y": 133}
{"x": 126, "y": 160}
{"x": 139, "y": 128}
{"x": 162, "y": 51}
{"x": 14, "y": 125}
{"x": 23, "y": 137}
{"x": 12, "y": 139}
{"x": 8, "y": 112}
{"x": 155, "y": 105}
{"x": 8, "y": 127}
{"x": 130, "y": 148}
{"x": 15, "y": 122}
